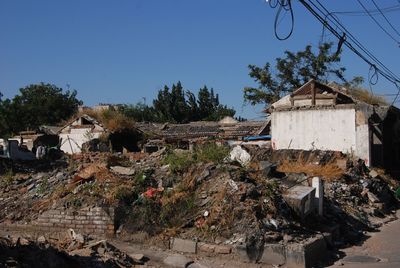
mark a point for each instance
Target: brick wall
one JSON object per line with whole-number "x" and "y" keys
{"x": 96, "y": 221}
{"x": 90, "y": 220}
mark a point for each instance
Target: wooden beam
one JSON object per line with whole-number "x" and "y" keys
{"x": 313, "y": 94}
{"x": 317, "y": 96}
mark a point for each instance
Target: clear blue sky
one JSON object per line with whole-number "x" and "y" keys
{"x": 126, "y": 50}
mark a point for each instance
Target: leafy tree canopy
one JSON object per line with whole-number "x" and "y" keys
{"x": 35, "y": 105}
{"x": 292, "y": 71}
{"x": 178, "y": 105}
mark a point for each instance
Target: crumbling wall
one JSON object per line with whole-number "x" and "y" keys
{"x": 324, "y": 129}
{"x": 96, "y": 221}
{"x": 72, "y": 141}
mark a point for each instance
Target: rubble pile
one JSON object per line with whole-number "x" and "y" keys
{"x": 221, "y": 197}
{"x": 17, "y": 251}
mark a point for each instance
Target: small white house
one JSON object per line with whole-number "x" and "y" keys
{"x": 319, "y": 117}
{"x": 78, "y": 131}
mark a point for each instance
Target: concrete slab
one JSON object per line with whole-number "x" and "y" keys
{"x": 274, "y": 254}
{"x": 178, "y": 261}
{"x": 300, "y": 199}
{"x": 183, "y": 245}
{"x": 306, "y": 254}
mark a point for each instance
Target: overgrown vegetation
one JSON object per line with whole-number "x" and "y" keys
{"x": 366, "y": 96}
{"x": 329, "y": 171}
{"x": 179, "y": 161}
{"x": 8, "y": 177}
{"x": 43, "y": 186}
{"x": 113, "y": 120}
{"x": 211, "y": 152}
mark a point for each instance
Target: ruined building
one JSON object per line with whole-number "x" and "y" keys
{"x": 317, "y": 116}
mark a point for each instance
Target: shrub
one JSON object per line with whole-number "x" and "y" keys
{"x": 211, "y": 152}
{"x": 125, "y": 195}
{"x": 179, "y": 161}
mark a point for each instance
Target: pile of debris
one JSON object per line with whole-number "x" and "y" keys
{"x": 213, "y": 195}
{"x": 16, "y": 251}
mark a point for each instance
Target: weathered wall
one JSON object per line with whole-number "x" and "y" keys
{"x": 362, "y": 144}
{"x": 71, "y": 143}
{"x": 88, "y": 220}
{"x": 96, "y": 221}
{"x": 323, "y": 129}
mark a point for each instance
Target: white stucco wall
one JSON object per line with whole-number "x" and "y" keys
{"x": 323, "y": 129}
{"x": 71, "y": 143}
{"x": 363, "y": 144}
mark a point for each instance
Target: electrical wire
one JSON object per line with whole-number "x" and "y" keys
{"x": 383, "y": 15}
{"x": 386, "y": 72}
{"x": 371, "y": 11}
{"x": 369, "y": 58}
{"x": 286, "y": 6}
{"x": 375, "y": 74}
{"x": 377, "y": 23}
{"x": 330, "y": 21}
{"x": 370, "y": 82}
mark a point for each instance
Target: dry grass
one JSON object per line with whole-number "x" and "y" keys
{"x": 329, "y": 171}
{"x": 111, "y": 119}
{"x": 366, "y": 96}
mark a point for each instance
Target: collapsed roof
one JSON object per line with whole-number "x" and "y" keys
{"x": 227, "y": 128}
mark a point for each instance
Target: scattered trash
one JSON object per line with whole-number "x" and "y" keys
{"x": 123, "y": 170}
{"x": 240, "y": 155}
{"x": 233, "y": 185}
{"x": 214, "y": 202}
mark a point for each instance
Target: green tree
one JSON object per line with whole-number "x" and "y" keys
{"x": 139, "y": 112}
{"x": 4, "y": 116}
{"x": 39, "y": 104}
{"x": 177, "y": 105}
{"x": 209, "y": 106}
{"x": 179, "y": 108}
{"x": 292, "y": 71}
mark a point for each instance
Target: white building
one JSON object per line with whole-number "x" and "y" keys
{"x": 78, "y": 131}
{"x": 317, "y": 116}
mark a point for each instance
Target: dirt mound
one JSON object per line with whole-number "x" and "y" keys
{"x": 204, "y": 195}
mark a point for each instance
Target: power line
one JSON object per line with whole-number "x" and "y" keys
{"x": 334, "y": 20}
{"x": 369, "y": 58}
{"x": 377, "y": 23}
{"x": 371, "y": 11}
{"x": 286, "y": 6}
{"x": 350, "y": 36}
{"x": 383, "y": 15}
{"x": 329, "y": 20}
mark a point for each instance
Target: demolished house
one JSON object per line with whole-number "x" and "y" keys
{"x": 184, "y": 136}
{"x": 45, "y": 136}
{"x": 86, "y": 132}
{"x": 317, "y": 116}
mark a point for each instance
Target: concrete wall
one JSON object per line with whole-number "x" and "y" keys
{"x": 363, "y": 144}
{"x": 323, "y": 129}
{"x": 71, "y": 142}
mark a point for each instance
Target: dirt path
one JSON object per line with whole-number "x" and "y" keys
{"x": 382, "y": 249}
